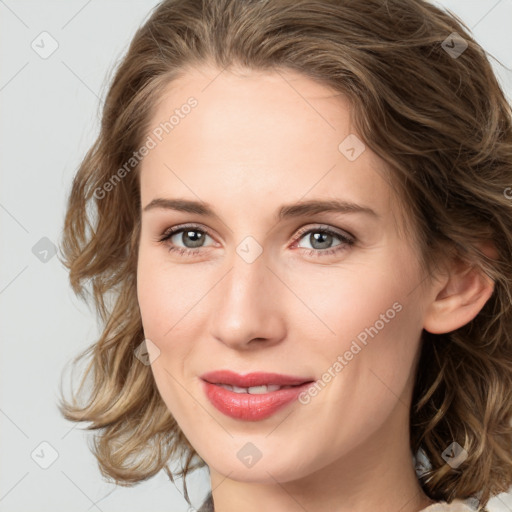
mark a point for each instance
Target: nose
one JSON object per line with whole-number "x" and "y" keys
{"x": 246, "y": 308}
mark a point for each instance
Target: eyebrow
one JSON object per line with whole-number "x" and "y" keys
{"x": 310, "y": 207}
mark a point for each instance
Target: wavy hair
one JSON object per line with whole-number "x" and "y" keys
{"x": 442, "y": 124}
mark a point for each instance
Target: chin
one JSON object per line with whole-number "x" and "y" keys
{"x": 283, "y": 467}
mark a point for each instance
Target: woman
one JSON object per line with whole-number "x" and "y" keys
{"x": 296, "y": 224}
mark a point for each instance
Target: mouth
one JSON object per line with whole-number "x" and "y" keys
{"x": 254, "y": 383}
{"x": 254, "y": 390}
{"x": 252, "y": 397}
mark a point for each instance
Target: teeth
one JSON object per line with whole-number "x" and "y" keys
{"x": 254, "y": 390}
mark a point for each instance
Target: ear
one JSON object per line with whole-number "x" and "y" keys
{"x": 459, "y": 296}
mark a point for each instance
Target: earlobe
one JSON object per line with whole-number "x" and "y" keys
{"x": 460, "y": 300}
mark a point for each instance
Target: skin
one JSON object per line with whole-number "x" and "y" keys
{"x": 257, "y": 141}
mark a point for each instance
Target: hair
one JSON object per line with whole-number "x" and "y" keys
{"x": 441, "y": 124}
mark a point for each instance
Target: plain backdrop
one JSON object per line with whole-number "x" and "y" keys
{"x": 56, "y": 57}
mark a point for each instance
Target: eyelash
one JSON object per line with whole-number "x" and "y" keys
{"x": 346, "y": 241}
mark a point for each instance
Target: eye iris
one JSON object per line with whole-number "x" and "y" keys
{"x": 327, "y": 239}
{"x": 197, "y": 237}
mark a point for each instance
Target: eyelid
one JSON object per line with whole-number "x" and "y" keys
{"x": 182, "y": 227}
{"x": 328, "y": 228}
{"x": 305, "y": 229}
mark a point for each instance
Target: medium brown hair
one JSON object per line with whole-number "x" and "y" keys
{"x": 440, "y": 122}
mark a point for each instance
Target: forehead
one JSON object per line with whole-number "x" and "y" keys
{"x": 253, "y": 137}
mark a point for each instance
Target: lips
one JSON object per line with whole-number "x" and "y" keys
{"x": 252, "y": 397}
{"x": 253, "y": 379}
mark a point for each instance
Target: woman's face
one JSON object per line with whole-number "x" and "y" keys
{"x": 262, "y": 292}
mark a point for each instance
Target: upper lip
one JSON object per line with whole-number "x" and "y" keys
{"x": 253, "y": 379}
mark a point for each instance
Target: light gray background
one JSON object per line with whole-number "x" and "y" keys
{"x": 49, "y": 118}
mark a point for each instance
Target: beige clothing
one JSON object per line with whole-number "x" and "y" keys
{"x": 454, "y": 506}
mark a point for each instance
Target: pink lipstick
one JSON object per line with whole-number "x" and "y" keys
{"x": 254, "y": 396}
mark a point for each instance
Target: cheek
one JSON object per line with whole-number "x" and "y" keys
{"x": 172, "y": 310}
{"x": 164, "y": 293}
{"x": 349, "y": 301}
{"x": 161, "y": 310}
{"x": 372, "y": 320}
{"x": 159, "y": 307}
{"x": 364, "y": 375}
{"x": 152, "y": 300}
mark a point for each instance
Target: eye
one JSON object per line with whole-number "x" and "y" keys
{"x": 321, "y": 239}
{"x": 192, "y": 236}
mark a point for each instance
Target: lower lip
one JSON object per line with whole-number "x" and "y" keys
{"x": 244, "y": 406}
